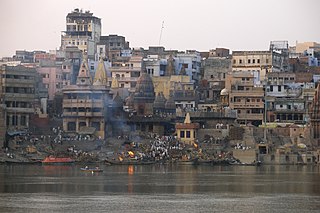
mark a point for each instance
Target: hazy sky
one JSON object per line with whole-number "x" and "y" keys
{"x": 188, "y": 24}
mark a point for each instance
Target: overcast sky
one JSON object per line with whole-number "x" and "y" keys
{"x": 188, "y": 24}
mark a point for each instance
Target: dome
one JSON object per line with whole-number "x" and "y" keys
{"x": 170, "y": 103}
{"x": 224, "y": 92}
{"x": 160, "y": 101}
{"x": 144, "y": 87}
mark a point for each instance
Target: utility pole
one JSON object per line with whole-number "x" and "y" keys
{"x": 161, "y": 32}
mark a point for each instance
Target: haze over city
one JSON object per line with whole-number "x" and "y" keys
{"x": 200, "y": 25}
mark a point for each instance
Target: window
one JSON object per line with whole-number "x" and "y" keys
{"x": 271, "y": 88}
{"x": 267, "y": 60}
{"x": 281, "y": 105}
{"x": 118, "y": 44}
{"x": 249, "y": 61}
{"x": 279, "y": 88}
{"x": 234, "y": 61}
{"x": 181, "y": 134}
{"x": 240, "y": 61}
{"x": 258, "y": 61}
{"x": 253, "y": 61}
{"x": 111, "y": 44}
{"x": 188, "y": 135}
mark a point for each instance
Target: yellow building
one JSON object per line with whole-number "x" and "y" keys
{"x": 245, "y": 98}
{"x": 165, "y": 84}
{"x": 187, "y": 131}
{"x": 259, "y": 62}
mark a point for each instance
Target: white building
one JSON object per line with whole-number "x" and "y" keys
{"x": 191, "y": 61}
{"x": 83, "y": 30}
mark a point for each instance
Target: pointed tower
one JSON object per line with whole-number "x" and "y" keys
{"x": 100, "y": 77}
{"x": 115, "y": 83}
{"x": 84, "y": 78}
{"x": 187, "y": 131}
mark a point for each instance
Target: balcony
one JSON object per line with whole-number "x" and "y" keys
{"x": 82, "y": 114}
{"x": 18, "y": 81}
{"x": 20, "y": 110}
{"x": 240, "y": 105}
{"x": 19, "y": 96}
{"x": 128, "y": 79}
{"x": 250, "y": 116}
{"x": 83, "y": 103}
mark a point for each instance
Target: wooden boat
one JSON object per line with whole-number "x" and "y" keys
{"x": 188, "y": 161}
{"x": 85, "y": 169}
{"x": 57, "y": 160}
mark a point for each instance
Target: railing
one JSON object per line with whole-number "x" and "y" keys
{"x": 19, "y": 81}
{"x": 83, "y": 114}
{"x": 20, "y": 110}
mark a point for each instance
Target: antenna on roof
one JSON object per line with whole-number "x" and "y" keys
{"x": 161, "y": 32}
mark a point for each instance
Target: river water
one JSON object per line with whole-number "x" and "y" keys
{"x": 160, "y": 188}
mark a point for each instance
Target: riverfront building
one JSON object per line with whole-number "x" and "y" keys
{"x": 18, "y": 93}
{"x": 84, "y": 104}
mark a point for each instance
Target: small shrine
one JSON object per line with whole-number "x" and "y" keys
{"x": 187, "y": 131}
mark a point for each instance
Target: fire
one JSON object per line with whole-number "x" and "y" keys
{"x": 131, "y": 154}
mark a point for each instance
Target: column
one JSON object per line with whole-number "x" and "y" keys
{"x": 27, "y": 120}
{"x": 10, "y": 120}
{"x": 18, "y": 124}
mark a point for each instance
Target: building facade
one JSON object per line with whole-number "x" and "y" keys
{"x": 18, "y": 94}
{"x": 244, "y": 97}
{"x": 83, "y": 30}
{"x": 84, "y": 104}
{"x": 257, "y": 62}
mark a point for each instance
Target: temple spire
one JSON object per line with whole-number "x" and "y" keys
{"x": 84, "y": 77}
{"x": 100, "y": 77}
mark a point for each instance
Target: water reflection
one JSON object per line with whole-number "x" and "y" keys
{"x": 183, "y": 179}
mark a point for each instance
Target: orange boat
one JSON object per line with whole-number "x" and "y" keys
{"x": 57, "y": 160}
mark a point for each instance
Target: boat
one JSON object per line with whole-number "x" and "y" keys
{"x": 92, "y": 170}
{"x": 57, "y": 160}
{"x": 193, "y": 161}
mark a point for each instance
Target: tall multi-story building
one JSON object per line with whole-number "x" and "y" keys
{"x": 18, "y": 85}
{"x": 83, "y": 30}
{"x": 287, "y": 101}
{"x": 257, "y": 62}
{"x": 52, "y": 76}
{"x": 244, "y": 97}
{"x": 127, "y": 70}
{"x": 84, "y": 104}
{"x": 111, "y": 46}
{"x": 190, "y": 61}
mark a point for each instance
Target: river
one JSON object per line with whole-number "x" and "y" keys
{"x": 160, "y": 188}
